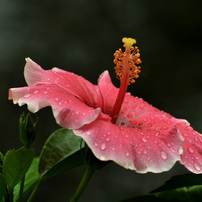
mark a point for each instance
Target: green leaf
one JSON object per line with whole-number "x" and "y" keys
{"x": 148, "y": 198}
{"x": 31, "y": 179}
{"x": 60, "y": 153}
{"x": 191, "y": 194}
{"x": 16, "y": 163}
{"x": 2, "y": 186}
{"x": 179, "y": 181}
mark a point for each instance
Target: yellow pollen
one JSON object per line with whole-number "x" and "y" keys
{"x": 127, "y": 62}
{"x": 128, "y": 42}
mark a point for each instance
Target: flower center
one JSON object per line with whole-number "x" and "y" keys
{"x": 126, "y": 70}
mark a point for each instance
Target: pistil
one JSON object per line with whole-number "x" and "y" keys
{"x": 127, "y": 71}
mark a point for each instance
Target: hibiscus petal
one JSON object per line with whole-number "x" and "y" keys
{"x": 108, "y": 90}
{"x": 69, "y": 111}
{"x": 143, "y": 150}
{"x": 70, "y": 82}
{"x": 192, "y": 147}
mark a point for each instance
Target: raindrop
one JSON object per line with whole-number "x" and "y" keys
{"x": 47, "y": 88}
{"x": 26, "y": 96}
{"x": 164, "y": 155}
{"x": 129, "y": 115}
{"x": 127, "y": 154}
{"x": 77, "y": 112}
{"x": 60, "y": 103}
{"x": 107, "y": 139}
{"x": 197, "y": 167}
{"x": 144, "y": 139}
{"x": 88, "y": 133}
{"x": 45, "y": 92}
{"x": 145, "y": 119}
{"x": 157, "y": 133}
{"x": 141, "y": 106}
{"x": 56, "y": 99}
{"x": 35, "y": 92}
{"x": 96, "y": 144}
{"x": 103, "y": 146}
{"x": 164, "y": 128}
{"x": 70, "y": 101}
{"x": 125, "y": 109}
{"x": 83, "y": 113}
{"x": 191, "y": 150}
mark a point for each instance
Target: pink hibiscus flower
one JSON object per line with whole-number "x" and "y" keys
{"x": 115, "y": 125}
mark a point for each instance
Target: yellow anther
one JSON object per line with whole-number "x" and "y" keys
{"x": 128, "y": 42}
{"x": 127, "y": 63}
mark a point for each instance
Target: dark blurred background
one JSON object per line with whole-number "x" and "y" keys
{"x": 81, "y": 36}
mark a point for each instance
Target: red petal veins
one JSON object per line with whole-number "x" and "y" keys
{"x": 69, "y": 111}
{"x": 70, "y": 82}
{"x": 143, "y": 150}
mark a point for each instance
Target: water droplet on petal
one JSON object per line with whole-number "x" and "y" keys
{"x": 70, "y": 101}
{"x": 107, "y": 139}
{"x": 127, "y": 154}
{"x": 26, "y": 96}
{"x": 103, "y": 146}
{"x": 164, "y": 128}
{"x": 144, "y": 139}
{"x": 129, "y": 115}
{"x": 83, "y": 113}
{"x": 35, "y": 92}
{"x": 96, "y": 144}
{"x": 191, "y": 150}
{"x": 60, "y": 103}
{"x": 45, "y": 92}
{"x": 141, "y": 106}
{"x": 197, "y": 166}
{"x": 56, "y": 99}
{"x": 88, "y": 133}
{"x": 164, "y": 155}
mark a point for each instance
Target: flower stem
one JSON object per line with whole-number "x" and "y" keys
{"x": 86, "y": 178}
{"x": 35, "y": 190}
{"x": 21, "y": 189}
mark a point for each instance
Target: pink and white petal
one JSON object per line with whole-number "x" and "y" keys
{"x": 69, "y": 111}
{"x": 192, "y": 147}
{"x": 70, "y": 82}
{"x": 108, "y": 90}
{"x": 143, "y": 150}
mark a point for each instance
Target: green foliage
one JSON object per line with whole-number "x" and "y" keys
{"x": 15, "y": 165}
{"x": 31, "y": 178}
{"x": 60, "y": 153}
{"x": 179, "y": 181}
{"x": 27, "y": 129}
{"x": 2, "y": 186}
